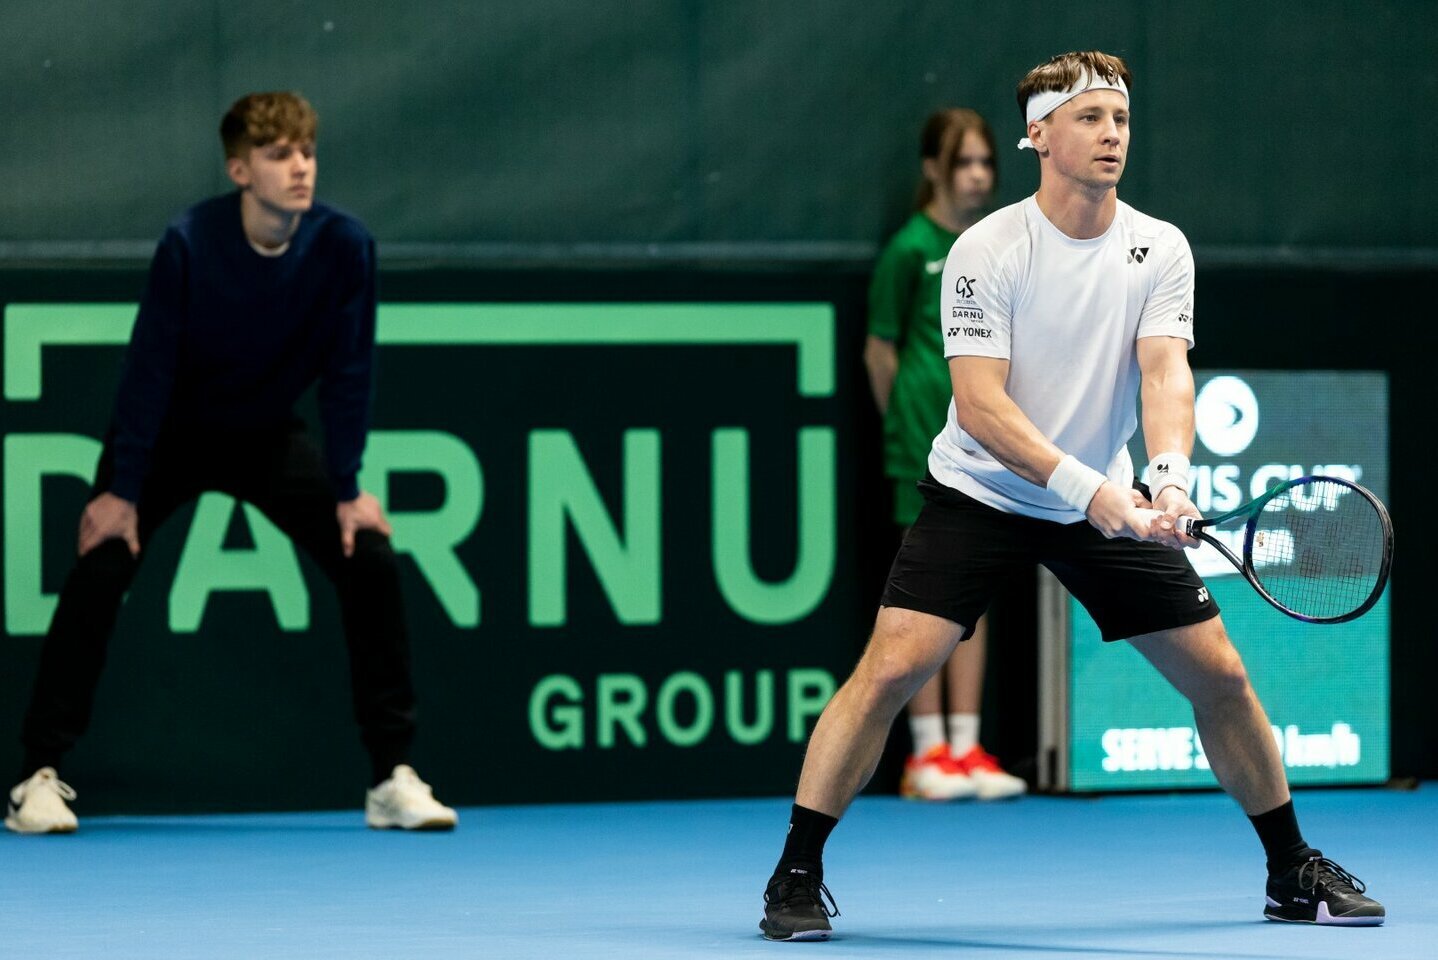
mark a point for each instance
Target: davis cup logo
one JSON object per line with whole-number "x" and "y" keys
{"x": 1226, "y": 415}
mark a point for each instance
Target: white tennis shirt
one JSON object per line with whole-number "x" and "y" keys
{"x": 1067, "y": 315}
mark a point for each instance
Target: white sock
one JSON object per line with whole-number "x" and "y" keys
{"x": 963, "y": 732}
{"x": 927, "y": 730}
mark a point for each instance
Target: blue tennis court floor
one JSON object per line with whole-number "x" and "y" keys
{"x": 1167, "y": 877}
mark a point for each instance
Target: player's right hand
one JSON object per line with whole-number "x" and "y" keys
{"x": 1174, "y": 503}
{"x": 109, "y": 517}
{"x": 1118, "y": 513}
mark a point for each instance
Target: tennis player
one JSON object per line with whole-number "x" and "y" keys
{"x": 1057, "y": 311}
{"x": 253, "y": 296}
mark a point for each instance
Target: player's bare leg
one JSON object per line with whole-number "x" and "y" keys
{"x": 1303, "y": 885}
{"x": 906, "y": 649}
{"x": 1202, "y": 664}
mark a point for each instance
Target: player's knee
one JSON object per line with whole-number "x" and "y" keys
{"x": 1226, "y": 681}
{"x": 889, "y": 675}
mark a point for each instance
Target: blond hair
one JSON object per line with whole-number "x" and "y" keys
{"x": 1065, "y": 70}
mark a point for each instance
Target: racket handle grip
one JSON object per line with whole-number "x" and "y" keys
{"x": 1184, "y": 525}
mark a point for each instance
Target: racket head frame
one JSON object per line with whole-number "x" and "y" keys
{"x": 1254, "y": 509}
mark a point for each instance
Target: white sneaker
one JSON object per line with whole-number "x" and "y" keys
{"x": 38, "y": 805}
{"x": 405, "y": 802}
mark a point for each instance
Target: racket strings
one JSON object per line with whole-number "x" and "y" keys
{"x": 1322, "y": 553}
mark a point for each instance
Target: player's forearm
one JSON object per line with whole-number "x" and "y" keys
{"x": 1009, "y": 436}
{"x": 1168, "y": 410}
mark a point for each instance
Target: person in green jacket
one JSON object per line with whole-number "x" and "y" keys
{"x": 910, "y": 379}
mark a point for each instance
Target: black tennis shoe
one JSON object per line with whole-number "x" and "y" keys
{"x": 1318, "y": 890}
{"x": 797, "y": 906}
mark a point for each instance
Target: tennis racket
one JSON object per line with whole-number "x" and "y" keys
{"x": 1317, "y": 548}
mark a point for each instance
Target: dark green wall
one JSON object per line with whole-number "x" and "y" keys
{"x": 541, "y": 133}
{"x": 545, "y": 129}
{"x": 210, "y": 720}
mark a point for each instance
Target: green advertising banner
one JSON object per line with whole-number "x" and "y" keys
{"x": 1325, "y": 687}
{"x": 623, "y": 529}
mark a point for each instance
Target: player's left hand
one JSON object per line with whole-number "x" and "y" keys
{"x": 361, "y": 513}
{"x": 1174, "y": 503}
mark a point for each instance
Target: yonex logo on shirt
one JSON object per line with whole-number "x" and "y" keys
{"x": 1136, "y": 254}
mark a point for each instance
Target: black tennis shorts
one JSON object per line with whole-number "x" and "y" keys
{"x": 960, "y": 552}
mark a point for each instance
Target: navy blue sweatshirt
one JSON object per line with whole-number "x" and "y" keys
{"x": 227, "y": 339}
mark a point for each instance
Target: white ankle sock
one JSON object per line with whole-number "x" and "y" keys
{"x": 963, "y": 732}
{"x": 927, "y": 730}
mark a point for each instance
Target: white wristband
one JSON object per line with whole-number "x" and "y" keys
{"x": 1168, "y": 470}
{"x": 1075, "y": 483}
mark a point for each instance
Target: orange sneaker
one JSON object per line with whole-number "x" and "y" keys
{"x": 936, "y": 776}
{"x": 991, "y": 781}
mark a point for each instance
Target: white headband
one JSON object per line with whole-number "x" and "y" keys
{"x": 1046, "y": 102}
